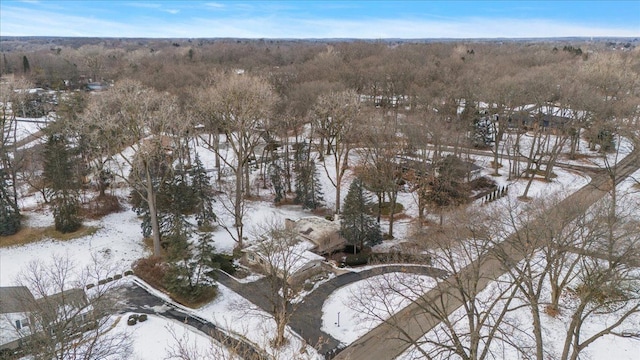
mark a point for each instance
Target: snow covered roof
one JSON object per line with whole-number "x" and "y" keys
{"x": 289, "y": 260}
{"x": 14, "y": 299}
{"x": 315, "y": 228}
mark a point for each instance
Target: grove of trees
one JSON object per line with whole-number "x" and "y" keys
{"x": 379, "y": 117}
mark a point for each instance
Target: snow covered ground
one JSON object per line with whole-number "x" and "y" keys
{"x": 355, "y": 309}
{"x": 119, "y": 240}
{"x": 554, "y": 330}
{"x": 158, "y": 337}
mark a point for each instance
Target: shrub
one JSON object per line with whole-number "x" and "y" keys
{"x": 225, "y": 263}
{"x": 152, "y": 270}
{"x": 104, "y": 205}
{"x": 357, "y": 259}
{"x": 117, "y": 277}
{"x": 132, "y": 320}
{"x": 195, "y": 296}
{"x": 385, "y": 208}
{"x": 142, "y": 317}
{"x": 89, "y": 286}
{"x": 102, "y": 281}
{"x": 128, "y": 273}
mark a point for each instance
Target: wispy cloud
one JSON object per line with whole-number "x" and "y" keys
{"x": 144, "y": 5}
{"x": 214, "y": 5}
{"x": 172, "y": 11}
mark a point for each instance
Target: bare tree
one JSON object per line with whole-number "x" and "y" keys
{"x": 240, "y": 106}
{"x": 184, "y": 347}
{"x": 379, "y": 168}
{"x": 480, "y": 326}
{"x": 281, "y": 253}
{"x": 132, "y": 116}
{"x": 335, "y": 117}
{"x": 69, "y": 323}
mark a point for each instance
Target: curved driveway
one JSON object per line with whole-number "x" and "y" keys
{"x": 307, "y": 315}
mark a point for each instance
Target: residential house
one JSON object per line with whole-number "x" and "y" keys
{"x": 22, "y": 316}
{"x": 315, "y": 236}
{"x": 296, "y": 261}
{"x": 68, "y": 311}
{"x": 322, "y": 233}
{"x": 16, "y": 320}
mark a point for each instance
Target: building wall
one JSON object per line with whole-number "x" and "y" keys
{"x": 9, "y": 333}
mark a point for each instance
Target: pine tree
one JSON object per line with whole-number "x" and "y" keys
{"x": 356, "y": 225}
{"x": 202, "y": 193}
{"x": 58, "y": 172}
{"x": 308, "y": 187}
{"x": 25, "y": 65}
{"x": 192, "y": 274}
{"x": 276, "y": 175}
{"x": 9, "y": 211}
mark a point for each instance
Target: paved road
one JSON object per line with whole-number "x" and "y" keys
{"x": 136, "y": 299}
{"x": 388, "y": 342}
{"x": 307, "y": 315}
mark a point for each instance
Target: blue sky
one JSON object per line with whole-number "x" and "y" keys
{"x": 319, "y": 19}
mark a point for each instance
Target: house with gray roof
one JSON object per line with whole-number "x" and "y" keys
{"x": 16, "y": 320}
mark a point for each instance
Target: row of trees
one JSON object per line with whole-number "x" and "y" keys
{"x": 413, "y": 95}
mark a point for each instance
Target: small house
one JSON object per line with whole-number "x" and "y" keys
{"x": 294, "y": 261}
{"x": 322, "y": 233}
{"x": 69, "y": 310}
{"x": 16, "y": 321}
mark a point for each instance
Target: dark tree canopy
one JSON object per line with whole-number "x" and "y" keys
{"x": 356, "y": 225}
{"x": 9, "y": 211}
{"x": 59, "y": 175}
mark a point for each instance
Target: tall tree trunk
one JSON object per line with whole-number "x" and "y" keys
{"x": 153, "y": 213}
{"x": 237, "y": 206}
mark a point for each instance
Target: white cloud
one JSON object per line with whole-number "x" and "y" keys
{"x": 214, "y": 5}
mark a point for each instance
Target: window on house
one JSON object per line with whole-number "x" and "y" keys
{"x": 18, "y": 325}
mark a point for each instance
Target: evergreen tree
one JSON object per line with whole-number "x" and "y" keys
{"x": 202, "y": 194}
{"x": 276, "y": 174}
{"x": 308, "y": 187}
{"x": 9, "y": 211}
{"x": 356, "y": 225}
{"x": 58, "y": 172}
{"x": 25, "y": 65}
{"x": 483, "y": 132}
{"x": 174, "y": 203}
{"x": 191, "y": 272}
